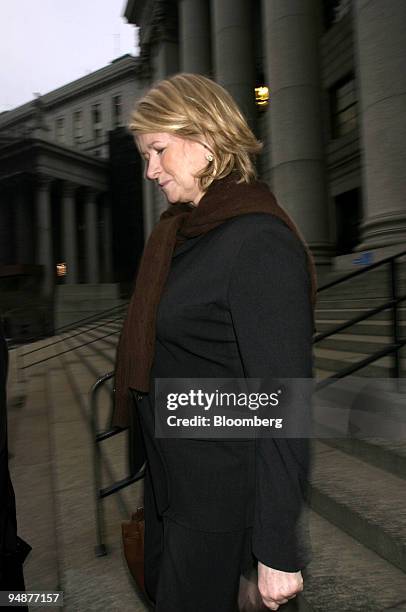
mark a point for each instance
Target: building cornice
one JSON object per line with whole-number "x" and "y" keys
{"x": 134, "y": 10}
{"x": 36, "y": 145}
{"x": 127, "y": 65}
{"x": 157, "y": 21}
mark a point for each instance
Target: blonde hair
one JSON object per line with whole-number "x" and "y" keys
{"x": 195, "y": 107}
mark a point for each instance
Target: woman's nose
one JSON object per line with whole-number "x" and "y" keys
{"x": 152, "y": 168}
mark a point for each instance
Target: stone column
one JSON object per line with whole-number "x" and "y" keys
{"x": 107, "y": 240}
{"x": 291, "y": 34}
{"x": 164, "y": 63}
{"x": 195, "y": 41}
{"x": 234, "y": 57}
{"x": 92, "y": 243}
{"x": 69, "y": 232}
{"x": 381, "y": 51}
{"x": 44, "y": 233}
{"x": 23, "y": 229}
{"x": 166, "y": 60}
{"x": 5, "y": 222}
{"x": 165, "y": 50}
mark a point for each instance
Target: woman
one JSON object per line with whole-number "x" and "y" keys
{"x": 224, "y": 290}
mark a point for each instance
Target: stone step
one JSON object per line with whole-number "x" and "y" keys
{"x": 354, "y": 301}
{"x": 100, "y": 290}
{"x": 95, "y": 356}
{"x": 320, "y": 374}
{"x": 333, "y": 311}
{"x": 88, "y": 582}
{"x": 377, "y": 279}
{"x": 371, "y": 327}
{"x": 31, "y": 471}
{"x": 388, "y": 455}
{"x": 105, "y": 335}
{"x": 362, "y": 407}
{"x": 334, "y": 361}
{"x": 345, "y": 575}
{"x": 367, "y": 292}
{"x": 46, "y": 349}
{"x": 351, "y": 342}
{"x": 365, "y": 501}
{"x": 74, "y": 302}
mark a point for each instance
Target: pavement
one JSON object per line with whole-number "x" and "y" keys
{"x": 51, "y": 467}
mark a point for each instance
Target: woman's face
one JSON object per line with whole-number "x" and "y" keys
{"x": 173, "y": 162}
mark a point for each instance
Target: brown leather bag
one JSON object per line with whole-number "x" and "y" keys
{"x": 133, "y": 543}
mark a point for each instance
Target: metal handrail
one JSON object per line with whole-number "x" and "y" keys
{"x": 367, "y": 268}
{"x": 357, "y": 319}
{"x": 92, "y": 317}
{"x": 68, "y": 326}
{"x": 136, "y": 464}
{"x": 392, "y": 348}
{"x": 76, "y": 333}
{"x": 321, "y": 384}
{"x": 69, "y": 350}
{"x": 98, "y": 437}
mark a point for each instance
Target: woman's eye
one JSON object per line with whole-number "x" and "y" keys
{"x": 160, "y": 151}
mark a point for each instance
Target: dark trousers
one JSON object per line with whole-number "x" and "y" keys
{"x": 195, "y": 571}
{"x": 187, "y": 570}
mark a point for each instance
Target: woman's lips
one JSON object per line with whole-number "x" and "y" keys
{"x": 164, "y": 184}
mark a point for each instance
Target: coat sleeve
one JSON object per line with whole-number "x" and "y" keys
{"x": 269, "y": 300}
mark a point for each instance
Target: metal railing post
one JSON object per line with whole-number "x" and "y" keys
{"x": 396, "y": 342}
{"x": 100, "y": 548}
{"x": 136, "y": 460}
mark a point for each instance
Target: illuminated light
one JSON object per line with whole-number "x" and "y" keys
{"x": 262, "y": 96}
{"x": 61, "y": 269}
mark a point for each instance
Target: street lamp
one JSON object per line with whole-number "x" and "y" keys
{"x": 262, "y": 96}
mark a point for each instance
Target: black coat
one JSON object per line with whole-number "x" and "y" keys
{"x": 13, "y": 550}
{"x": 236, "y": 304}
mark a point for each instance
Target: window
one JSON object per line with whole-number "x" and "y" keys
{"x": 117, "y": 111}
{"x": 77, "y": 126}
{"x": 97, "y": 133}
{"x": 97, "y": 121}
{"x": 348, "y": 221}
{"x": 343, "y": 107}
{"x": 60, "y": 129}
{"x": 96, "y": 114}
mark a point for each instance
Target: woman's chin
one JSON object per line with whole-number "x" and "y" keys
{"x": 172, "y": 198}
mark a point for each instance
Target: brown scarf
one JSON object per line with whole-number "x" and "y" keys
{"x": 223, "y": 200}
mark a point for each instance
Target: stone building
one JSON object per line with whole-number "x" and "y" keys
{"x": 56, "y": 186}
{"x": 334, "y": 127}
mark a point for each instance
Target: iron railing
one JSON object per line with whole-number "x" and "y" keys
{"x": 392, "y": 348}
{"x": 135, "y": 451}
{"x": 135, "y": 457}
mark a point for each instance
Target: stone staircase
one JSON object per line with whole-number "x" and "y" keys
{"x": 51, "y": 463}
{"x": 357, "y": 490}
{"x": 350, "y": 299}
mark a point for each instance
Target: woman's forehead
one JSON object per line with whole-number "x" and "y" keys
{"x": 150, "y": 139}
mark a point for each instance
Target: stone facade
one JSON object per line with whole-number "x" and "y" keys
{"x": 55, "y": 178}
{"x": 334, "y": 129}
{"x": 80, "y": 114}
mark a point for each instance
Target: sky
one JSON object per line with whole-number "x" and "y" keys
{"x": 47, "y": 43}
